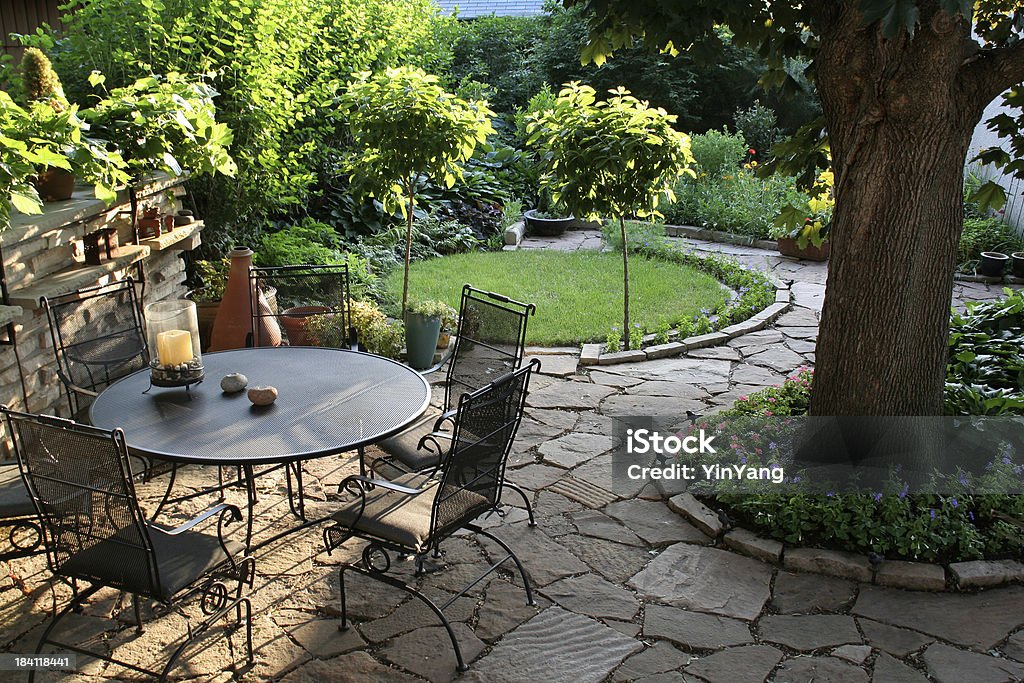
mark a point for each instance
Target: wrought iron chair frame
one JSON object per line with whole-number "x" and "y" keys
{"x": 16, "y": 524}
{"x": 79, "y": 299}
{"x": 215, "y": 599}
{"x": 359, "y": 485}
{"x": 261, "y": 276}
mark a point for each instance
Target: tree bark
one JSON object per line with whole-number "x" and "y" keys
{"x": 899, "y": 127}
{"x": 408, "y": 245}
{"x": 625, "y": 285}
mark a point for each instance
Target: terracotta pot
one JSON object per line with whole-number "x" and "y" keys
{"x": 207, "y": 314}
{"x": 55, "y": 184}
{"x": 788, "y": 247}
{"x": 294, "y": 322}
{"x": 233, "y": 328}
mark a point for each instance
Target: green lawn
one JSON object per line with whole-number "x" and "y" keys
{"x": 578, "y": 295}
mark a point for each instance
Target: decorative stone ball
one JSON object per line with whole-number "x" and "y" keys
{"x": 262, "y": 396}
{"x": 233, "y": 383}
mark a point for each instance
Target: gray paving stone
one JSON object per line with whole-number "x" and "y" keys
{"x": 855, "y": 654}
{"x": 411, "y": 615}
{"x": 694, "y": 630}
{"x": 321, "y": 638}
{"x": 798, "y": 317}
{"x": 808, "y": 593}
{"x": 977, "y": 621}
{"x": 1014, "y": 647}
{"x": 744, "y": 664}
{"x": 658, "y": 658}
{"x": 599, "y": 472}
{"x": 804, "y": 333}
{"x": 819, "y": 670}
{"x": 778, "y": 358}
{"x": 801, "y": 346}
{"x": 556, "y": 365}
{"x": 694, "y": 370}
{"x": 831, "y": 562}
{"x": 749, "y": 543}
{"x": 718, "y": 352}
{"x": 664, "y": 350}
{"x": 614, "y": 561}
{"x": 562, "y": 419}
{"x": 608, "y": 379}
{"x": 536, "y": 476}
{"x": 594, "y": 596}
{"x": 618, "y": 357}
{"x": 890, "y": 670}
{"x": 698, "y": 514}
{"x": 572, "y": 449}
{"x": 898, "y": 642}
{"x": 533, "y": 433}
{"x": 545, "y": 560}
{"x": 808, "y": 632}
{"x": 504, "y": 607}
{"x": 911, "y": 575}
{"x": 428, "y": 652}
{"x": 568, "y": 394}
{"x": 680, "y": 390}
{"x": 654, "y": 522}
{"x": 356, "y": 667}
{"x": 557, "y": 645}
{"x": 949, "y": 665}
{"x": 592, "y": 423}
{"x": 985, "y": 573}
{"x": 706, "y": 580}
{"x": 585, "y": 492}
{"x": 650, "y": 406}
{"x": 600, "y": 525}
{"x": 756, "y": 375}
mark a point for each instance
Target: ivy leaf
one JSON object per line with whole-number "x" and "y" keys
{"x": 989, "y": 196}
{"x": 96, "y": 78}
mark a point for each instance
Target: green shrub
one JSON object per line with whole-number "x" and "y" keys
{"x": 758, "y": 126}
{"x": 718, "y": 152}
{"x": 987, "y": 234}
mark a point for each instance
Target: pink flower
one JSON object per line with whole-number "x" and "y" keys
{"x": 768, "y": 413}
{"x": 743, "y": 398}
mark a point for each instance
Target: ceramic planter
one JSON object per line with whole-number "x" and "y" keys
{"x": 233, "y": 328}
{"x": 294, "y": 322}
{"x": 1018, "y": 263}
{"x": 207, "y": 312}
{"x": 421, "y": 334}
{"x": 993, "y": 264}
{"x": 788, "y": 247}
{"x": 55, "y": 184}
{"x": 546, "y": 226}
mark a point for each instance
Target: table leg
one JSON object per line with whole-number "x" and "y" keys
{"x": 298, "y": 510}
{"x": 167, "y": 493}
{"x": 250, "y": 493}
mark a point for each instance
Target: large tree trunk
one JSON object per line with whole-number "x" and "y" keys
{"x": 899, "y": 125}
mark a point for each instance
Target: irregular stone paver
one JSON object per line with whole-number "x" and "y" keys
{"x": 692, "y": 370}
{"x": 656, "y": 406}
{"x": 536, "y": 476}
{"x": 557, "y": 645}
{"x": 749, "y": 543}
{"x": 808, "y": 632}
{"x": 560, "y": 365}
{"x": 574, "y": 395}
{"x": 855, "y": 654}
{"x": 808, "y": 593}
{"x": 693, "y": 629}
{"x": 706, "y": 580}
{"x": 600, "y": 525}
{"x": 778, "y": 358}
{"x": 697, "y": 513}
{"x": 976, "y": 621}
{"x": 545, "y": 560}
{"x": 889, "y": 670}
{"x": 745, "y": 664}
{"x": 322, "y": 639}
{"x": 614, "y": 561}
{"x": 756, "y": 375}
{"x": 428, "y": 652}
{"x": 679, "y": 390}
{"x": 659, "y": 658}
{"x": 654, "y": 522}
{"x": 1014, "y": 647}
{"x": 984, "y": 573}
{"x": 504, "y": 608}
{"x": 949, "y": 665}
{"x": 898, "y": 642}
{"x": 820, "y": 670}
{"x": 357, "y": 667}
{"x": 572, "y": 449}
{"x": 591, "y": 595}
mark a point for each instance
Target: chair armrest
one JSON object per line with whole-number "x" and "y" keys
{"x": 434, "y": 438}
{"x": 66, "y": 381}
{"x": 236, "y": 516}
{"x": 445, "y": 417}
{"x": 364, "y": 482}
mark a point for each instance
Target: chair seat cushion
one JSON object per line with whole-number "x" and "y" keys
{"x": 180, "y": 560}
{"x": 14, "y": 500}
{"x": 403, "y": 446}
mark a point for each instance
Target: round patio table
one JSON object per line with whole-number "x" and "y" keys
{"x": 330, "y": 401}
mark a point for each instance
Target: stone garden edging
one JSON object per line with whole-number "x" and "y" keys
{"x": 918, "y": 576}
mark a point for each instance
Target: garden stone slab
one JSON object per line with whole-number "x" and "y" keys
{"x": 321, "y": 638}
{"x": 428, "y": 652}
{"x": 664, "y": 350}
{"x": 801, "y": 346}
{"x": 693, "y": 370}
{"x": 717, "y": 352}
{"x": 577, "y": 395}
{"x": 536, "y": 476}
{"x": 706, "y": 580}
{"x": 679, "y": 390}
{"x": 809, "y": 632}
{"x": 613, "y": 561}
{"x": 545, "y": 560}
{"x": 949, "y": 665}
{"x": 855, "y": 654}
{"x": 694, "y": 630}
{"x": 592, "y": 595}
{"x": 556, "y": 645}
{"x": 749, "y": 543}
{"x": 556, "y": 365}
{"x": 808, "y": 295}
{"x": 745, "y": 664}
{"x": 611, "y": 380}
{"x": 756, "y": 375}
{"x": 562, "y": 419}
{"x": 889, "y": 670}
{"x": 411, "y": 615}
{"x": 586, "y": 492}
{"x": 600, "y": 525}
{"x": 803, "y": 333}
{"x": 831, "y": 562}
{"x": 808, "y": 593}
{"x": 653, "y": 406}
{"x": 599, "y": 472}
{"x": 911, "y": 575}
{"x": 351, "y": 668}
{"x": 504, "y": 608}
{"x": 984, "y": 573}
{"x": 778, "y": 358}
{"x": 1014, "y": 647}
{"x": 758, "y": 338}
{"x": 819, "y": 670}
{"x": 977, "y": 621}
{"x": 590, "y": 354}
{"x": 898, "y": 642}
{"x": 658, "y": 658}
{"x": 627, "y": 627}
{"x": 533, "y": 433}
{"x": 799, "y": 316}
{"x": 622, "y": 357}
{"x": 701, "y": 516}
{"x": 654, "y": 522}
{"x": 572, "y": 449}
{"x": 592, "y": 423}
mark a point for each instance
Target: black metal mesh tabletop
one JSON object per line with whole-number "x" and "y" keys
{"x": 329, "y": 401}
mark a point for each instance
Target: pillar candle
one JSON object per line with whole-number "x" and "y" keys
{"x": 174, "y": 347}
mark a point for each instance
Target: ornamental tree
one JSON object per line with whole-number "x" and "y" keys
{"x": 617, "y": 157}
{"x": 404, "y": 125}
{"x": 903, "y": 83}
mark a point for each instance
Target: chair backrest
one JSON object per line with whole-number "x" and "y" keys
{"x": 473, "y": 469}
{"x": 490, "y": 341}
{"x": 305, "y": 296}
{"x": 81, "y": 486}
{"x": 98, "y": 337}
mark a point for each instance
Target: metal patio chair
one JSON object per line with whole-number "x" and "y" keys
{"x": 80, "y": 484}
{"x": 17, "y": 515}
{"x": 98, "y": 337}
{"x": 413, "y": 514}
{"x": 491, "y": 341}
{"x": 304, "y": 293}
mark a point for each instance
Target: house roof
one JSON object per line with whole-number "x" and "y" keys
{"x": 471, "y": 9}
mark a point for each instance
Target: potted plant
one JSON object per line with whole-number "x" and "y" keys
{"x": 1018, "y": 263}
{"x": 41, "y": 84}
{"x": 992, "y": 264}
{"x": 549, "y": 218}
{"x": 617, "y": 157}
{"x": 809, "y": 242}
{"x": 422, "y": 329}
{"x": 449, "y": 323}
{"x": 802, "y": 230}
{"x": 404, "y": 125}
{"x": 212, "y": 277}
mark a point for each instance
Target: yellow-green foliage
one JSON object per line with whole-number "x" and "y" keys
{"x": 40, "y": 80}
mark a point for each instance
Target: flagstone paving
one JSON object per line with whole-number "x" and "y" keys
{"x": 626, "y": 590}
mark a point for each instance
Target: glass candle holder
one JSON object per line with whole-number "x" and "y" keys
{"x": 172, "y": 328}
